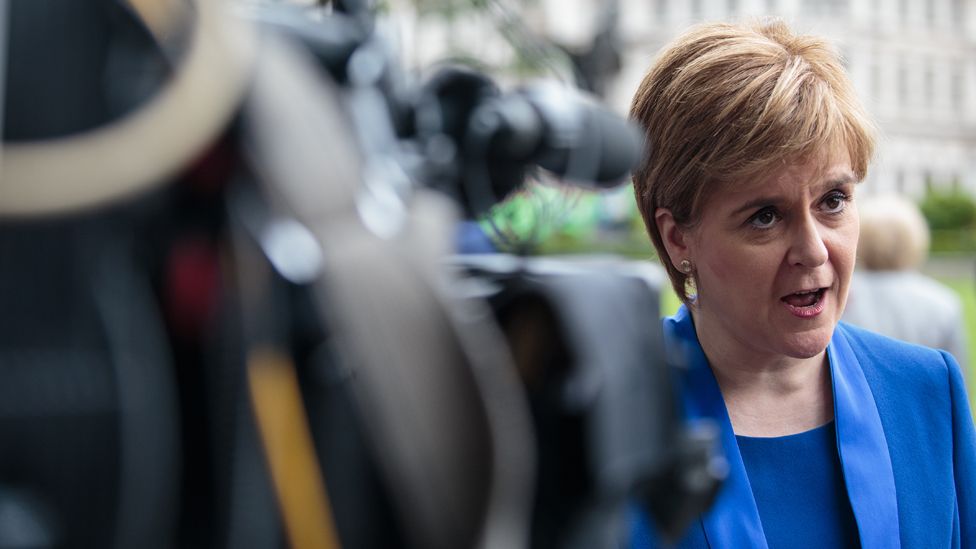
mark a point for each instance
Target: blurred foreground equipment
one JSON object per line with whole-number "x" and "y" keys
{"x": 227, "y": 320}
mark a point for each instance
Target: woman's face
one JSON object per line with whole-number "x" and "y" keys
{"x": 773, "y": 260}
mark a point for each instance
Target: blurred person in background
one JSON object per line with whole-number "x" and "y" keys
{"x": 888, "y": 294}
{"x": 834, "y": 436}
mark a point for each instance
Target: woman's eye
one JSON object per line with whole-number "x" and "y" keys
{"x": 764, "y": 219}
{"x": 834, "y": 202}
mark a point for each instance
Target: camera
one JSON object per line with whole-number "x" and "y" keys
{"x": 250, "y": 327}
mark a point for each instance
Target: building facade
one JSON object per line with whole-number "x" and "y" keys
{"x": 913, "y": 63}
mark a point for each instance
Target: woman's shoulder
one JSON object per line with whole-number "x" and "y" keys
{"x": 865, "y": 342}
{"x": 899, "y": 365}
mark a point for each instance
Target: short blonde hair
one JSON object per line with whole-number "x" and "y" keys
{"x": 726, "y": 102}
{"x": 894, "y": 234}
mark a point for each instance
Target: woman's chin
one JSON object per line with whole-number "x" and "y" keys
{"x": 807, "y": 344}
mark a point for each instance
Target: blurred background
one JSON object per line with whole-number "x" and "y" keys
{"x": 912, "y": 62}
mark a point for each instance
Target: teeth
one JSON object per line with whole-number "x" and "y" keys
{"x": 803, "y": 299}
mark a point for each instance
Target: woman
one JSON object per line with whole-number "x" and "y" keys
{"x": 835, "y": 436}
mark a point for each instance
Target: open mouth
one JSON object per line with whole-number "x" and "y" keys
{"x": 805, "y": 303}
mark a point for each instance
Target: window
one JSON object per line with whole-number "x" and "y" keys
{"x": 825, "y": 8}
{"x": 661, "y": 9}
{"x": 875, "y": 17}
{"x": 929, "y": 83}
{"x": 957, "y": 13}
{"x": 957, "y": 86}
{"x": 902, "y": 83}
{"x": 903, "y": 12}
{"x": 876, "y": 81}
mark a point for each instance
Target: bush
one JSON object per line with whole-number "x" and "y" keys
{"x": 949, "y": 211}
{"x": 953, "y": 241}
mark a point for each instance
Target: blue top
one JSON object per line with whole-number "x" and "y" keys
{"x": 905, "y": 441}
{"x": 799, "y": 489}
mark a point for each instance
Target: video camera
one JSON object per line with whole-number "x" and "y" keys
{"x": 233, "y": 315}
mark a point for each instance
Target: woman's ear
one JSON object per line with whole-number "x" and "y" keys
{"x": 676, "y": 239}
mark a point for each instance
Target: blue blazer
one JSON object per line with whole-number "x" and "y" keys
{"x": 905, "y": 438}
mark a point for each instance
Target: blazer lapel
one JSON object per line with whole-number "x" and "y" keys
{"x": 733, "y": 520}
{"x": 863, "y": 449}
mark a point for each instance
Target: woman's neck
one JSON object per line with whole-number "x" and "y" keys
{"x": 770, "y": 395}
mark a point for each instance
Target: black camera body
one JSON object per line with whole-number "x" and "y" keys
{"x": 447, "y": 401}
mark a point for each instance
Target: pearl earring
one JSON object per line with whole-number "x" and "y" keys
{"x": 685, "y": 266}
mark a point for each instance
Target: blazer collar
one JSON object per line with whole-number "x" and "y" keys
{"x": 733, "y": 520}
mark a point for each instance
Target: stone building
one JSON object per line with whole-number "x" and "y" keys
{"x": 912, "y": 61}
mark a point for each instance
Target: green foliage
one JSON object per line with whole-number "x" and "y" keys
{"x": 669, "y": 300}
{"x": 949, "y": 210}
{"x": 953, "y": 240}
{"x": 543, "y": 219}
{"x": 526, "y": 220}
{"x": 951, "y": 215}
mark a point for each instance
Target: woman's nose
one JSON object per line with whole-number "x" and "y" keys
{"x": 807, "y": 248}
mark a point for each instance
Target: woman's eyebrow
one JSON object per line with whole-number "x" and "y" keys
{"x": 839, "y": 180}
{"x": 758, "y": 202}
